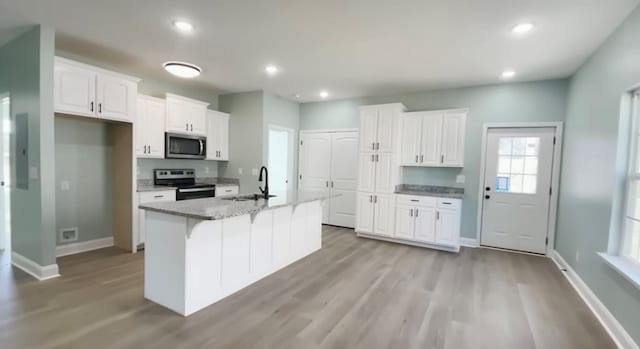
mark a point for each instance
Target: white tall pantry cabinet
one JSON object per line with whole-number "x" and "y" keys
{"x": 378, "y": 168}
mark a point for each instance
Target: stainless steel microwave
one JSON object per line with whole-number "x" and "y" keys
{"x": 178, "y": 146}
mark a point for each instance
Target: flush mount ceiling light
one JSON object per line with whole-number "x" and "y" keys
{"x": 271, "y": 70}
{"x": 183, "y": 26}
{"x": 522, "y": 28}
{"x": 508, "y": 74}
{"x": 324, "y": 94}
{"x": 182, "y": 69}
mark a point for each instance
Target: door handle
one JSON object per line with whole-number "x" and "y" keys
{"x": 100, "y": 108}
{"x": 375, "y": 199}
{"x": 370, "y": 198}
{"x": 487, "y": 188}
{"x": 331, "y": 184}
{"x": 378, "y": 146}
{"x": 438, "y": 215}
{"x": 187, "y": 127}
{"x": 377, "y": 158}
{"x": 201, "y": 146}
{"x": 442, "y": 159}
{"x": 487, "y": 197}
{"x": 417, "y": 212}
{"x": 373, "y": 146}
{"x": 191, "y": 127}
{"x": 91, "y": 105}
{"x": 421, "y": 158}
{"x": 416, "y": 159}
{"x": 327, "y": 184}
{"x": 373, "y": 158}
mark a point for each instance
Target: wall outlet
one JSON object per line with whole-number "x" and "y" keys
{"x": 254, "y": 171}
{"x": 65, "y": 185}
{"x": 68, "y": 234}
{"x": 460, "y": 178}
{"x": 240, "y": 170}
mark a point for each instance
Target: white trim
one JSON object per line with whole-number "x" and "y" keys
{"x": 330, "y": 130}
{"x": 84, "y": 246}
{"x": 454, "y": 249}
{"x": 34, "y": 269}
{"x": 555, "y": 174}
{"x": 291, "y": 152}
{"x": 469, "y": 242}
{"x": 608, "y": 321}
{"x": 58, "y": 59}
{"x": 628, "y": 269}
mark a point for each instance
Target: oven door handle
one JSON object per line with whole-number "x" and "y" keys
{"x": 193, "y": 190}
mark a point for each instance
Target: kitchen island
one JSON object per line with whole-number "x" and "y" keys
{"x": 200, "y": 251}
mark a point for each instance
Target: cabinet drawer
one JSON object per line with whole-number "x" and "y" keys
{"x": 227, "y": 190}
{"x": 452, "y": 204}
{"x": 415, "y": 200}
{"x": 153, "y": 196}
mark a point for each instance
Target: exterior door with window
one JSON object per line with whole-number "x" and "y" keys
{"x": 517, "y": 188}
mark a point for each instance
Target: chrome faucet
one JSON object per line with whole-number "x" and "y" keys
{"x": 264, "y": 191}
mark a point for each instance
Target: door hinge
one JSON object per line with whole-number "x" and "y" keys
{"x": 301, "y": 176}
{"x": 554, "y": 140}
{"x": 546, "y": 241}
{"x": 301, "y": 142}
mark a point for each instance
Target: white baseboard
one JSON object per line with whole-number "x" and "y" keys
{"x": 34, "y": 269}
{"x": 613, "y": 327}
{"x": 84, "y": 246}
{"x": 468, "y": 242}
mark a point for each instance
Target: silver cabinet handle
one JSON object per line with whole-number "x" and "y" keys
{"x": 331, "y": 184}
{"x": 373, "y": 158}
{"x": 378, "y": 146}
{"x": 191, "y": 127}
{"x": 421, "y": 158}
{"x": 145, "y": 149}
{"x": 370, "y": 198}
{"x": 417, "y": 212}
{"x": 375, "y": 199}
{"x": 411, "y": 213}
{"x": 442, "y": 159}
{"x": 377, "y": 158}
{"x": 438, "y": 215}
{"x": 91, "y": 106}
{"x": 416, "y": 159}
{"x": 187, "y": 124}
{"x": 373, "y": 146}
{"x": 327, "y": 184}
{"x": 100, "y": 108}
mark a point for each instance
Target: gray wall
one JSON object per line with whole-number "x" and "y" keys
{"x": 284, "y": 113}
{"x": 592, "y": 174}
{"x": 26, "y": 72}
{"x": 84, "y": 158}
{"x": 516, "y": 102}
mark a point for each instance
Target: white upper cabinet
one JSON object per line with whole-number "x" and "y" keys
{"x": 387, "y": 117}
{"x": 84, "y": 90}
{"x": 217, "y": 135}
{"x": 186, "y": 116}
{"x": 433, "y": 138}
{"x": 368, "y": 129}
{"x": 150, "y": 125}
{"x": 378, "y": 125}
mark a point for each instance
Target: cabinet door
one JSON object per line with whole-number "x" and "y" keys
{"x": 155, "y": 126}
{"x": 384, "y": 215}
{"x": 448, "y": 227}
{"x": 197, "y": 119}
{"x": 223, "y": 136}
{"x": 453, "y": 134}
{"x": 364, "y": 213}
{"x": 410, "y": 143}
{"x": 141, "y": 124}
{"x": 431, "y": 140}
{"x": 386, "y": 126}
{"x": 115, "y": 97}
{"x": 425, "y": 228}
{"x": 177, "y": 116}
{"x": 366, "y": 172}
{"x": 75, "y": 90}
{"x": 368, "y": 128}
{"x": 405, "y": 222}
{"x": 213, "y": 138}
{"x": 384, "y": 173}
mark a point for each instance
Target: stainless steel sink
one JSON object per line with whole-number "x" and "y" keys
{"x": 248, "y": 197}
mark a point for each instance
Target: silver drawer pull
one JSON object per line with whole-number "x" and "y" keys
{"x": 228, "y": 190}
{"x": 158, "y": 196}
{"x": 414, "y": 200}
{"x": 446, "y": 203}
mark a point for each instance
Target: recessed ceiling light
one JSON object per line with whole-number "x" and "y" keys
{"x": 508, "y": 74}
{"x": 522, "y": 28}
{"x": 183, "y": 26}
{"x": 182, "y": 69}
{"x": 271, "y": 70}
{"x": 324, "y": 94}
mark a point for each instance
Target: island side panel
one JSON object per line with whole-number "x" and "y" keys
{"x": 164, "y": 260}
{"x": 262, "y": 245}
{"x": 313, "y": 229}
{"x": 282, "y": 237}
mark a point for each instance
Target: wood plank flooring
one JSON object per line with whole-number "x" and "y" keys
{"x": 354, "y": 293}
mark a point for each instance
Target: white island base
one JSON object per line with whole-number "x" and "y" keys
{"x": 191, "y": 263}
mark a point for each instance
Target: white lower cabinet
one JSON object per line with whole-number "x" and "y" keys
{"x": 428, "y": 220}
{"x": 227, "y": 190}
{"x": 145, "y": 198}
{"x": 375, "y": 214}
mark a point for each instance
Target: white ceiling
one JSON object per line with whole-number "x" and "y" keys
{"x": 351, "y": 48}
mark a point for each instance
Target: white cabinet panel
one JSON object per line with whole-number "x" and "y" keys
{"x": 236, "y": 251}
{"x": 386, "y": 122}
{"x": 75, "y": 90}
{"x": 384, "y": 175}
{"x": 115, "y": 97}
{"x": 217, "y": 135}
{"x": 150, "y": 121}
{"x": 298, "y": 231}
{"x": 366, "y": 172}
{"x": 227, "y": 190}
{"x": 430, "y": 150}
{"x": 453, "y": 136}
{"x": 186, "y": 116}
{"x": 425, "y": 224}
{"x": 404, "y": 222}
{"x": 281, "y": 236}
{"x": 410, "y": 143}
{"x": 147, "y": 197}
{"x": 448, "y": 227}
{"x": 313, "y": 229}
{"x": 364, "y": 216}
{"x": 384, "y": 215}
{"x": 261, "y": 243}
{"x": 368, "y": 129}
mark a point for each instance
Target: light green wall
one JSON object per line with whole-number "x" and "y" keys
{"x": 245, "y": 137}
{"x": 204, "y": 168}
{"x": 26, "y": 72}
{"x": 592, "y": 175}
{"x": 516, "y": 102}
{"x": 84, "y": 158}
{"x": 284, "y": 113}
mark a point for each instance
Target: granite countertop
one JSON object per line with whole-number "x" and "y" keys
{"x": 227, "y": 185}
{"x": 218, "y": 208}
{"x": 430, "y": 190}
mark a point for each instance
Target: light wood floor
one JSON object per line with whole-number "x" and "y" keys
{"x": 354, "y": 293}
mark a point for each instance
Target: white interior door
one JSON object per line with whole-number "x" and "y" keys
{"x": 279, "y": 159}
{"x": 315, "y": 165}
{"x": 344, "y": 178}
{"x": 517, "y": 178}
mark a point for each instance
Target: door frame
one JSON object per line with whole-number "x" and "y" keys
{"x": 291, "y": 152}
{"x": 5, "y": 237}
{"x": 555, "y": 175}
